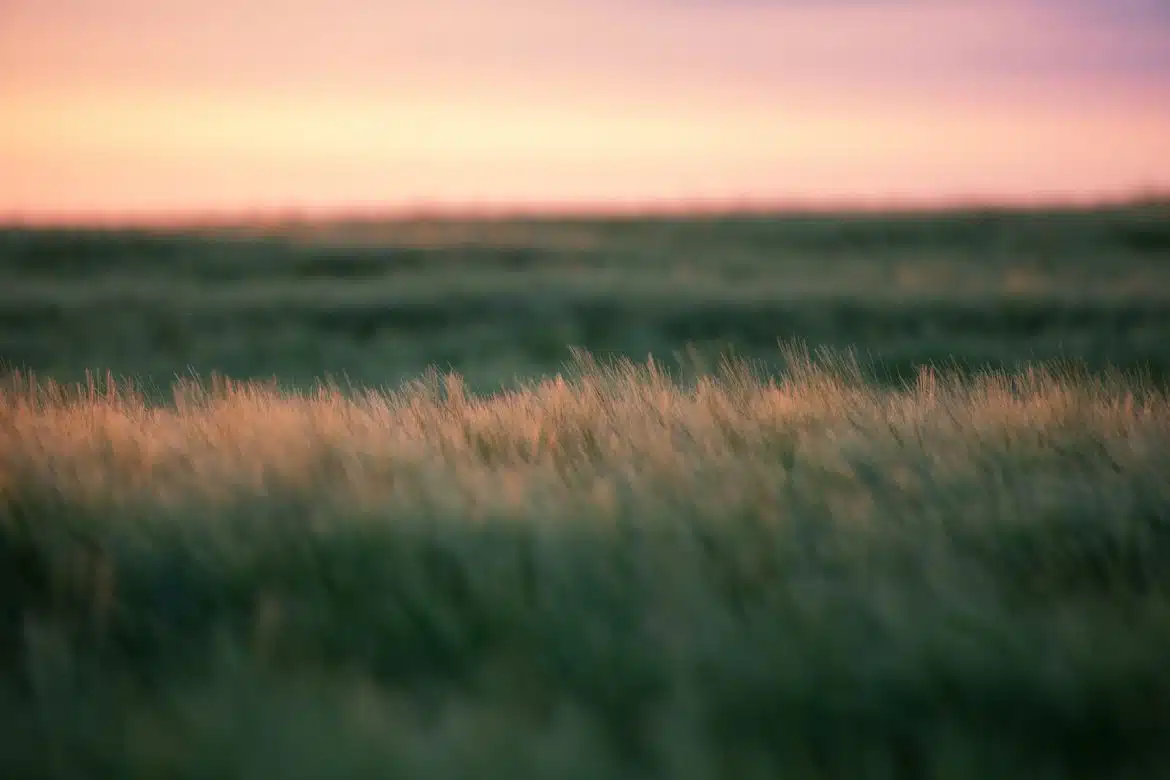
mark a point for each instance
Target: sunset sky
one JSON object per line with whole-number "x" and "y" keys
{"x": 159, "y": 107}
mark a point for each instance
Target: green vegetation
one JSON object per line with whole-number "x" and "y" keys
{"x": 805, "y": 565}
{"x": 380, "y": 302}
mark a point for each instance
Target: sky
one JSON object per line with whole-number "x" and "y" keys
{"x": 113, "y": 108}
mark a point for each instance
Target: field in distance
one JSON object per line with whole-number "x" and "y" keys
{"x": 380, "y": 301}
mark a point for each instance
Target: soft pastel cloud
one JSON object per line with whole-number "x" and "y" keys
{"x": 139, "y": 105}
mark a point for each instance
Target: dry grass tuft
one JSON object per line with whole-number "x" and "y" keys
{"x": 623, "y": 423}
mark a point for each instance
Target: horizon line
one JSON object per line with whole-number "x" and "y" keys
{"x": 568, "y": 210}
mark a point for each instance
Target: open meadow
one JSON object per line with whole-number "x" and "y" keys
{"x": 814, "y": 497}
{"x": 380, "y": 302}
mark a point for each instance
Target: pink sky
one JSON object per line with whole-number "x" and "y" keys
{"x": 146, "y": 107}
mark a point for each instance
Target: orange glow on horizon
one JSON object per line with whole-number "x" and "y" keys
{"x": 690, "y": 101}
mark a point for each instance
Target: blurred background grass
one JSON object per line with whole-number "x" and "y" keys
{"x": 494, "y": 300}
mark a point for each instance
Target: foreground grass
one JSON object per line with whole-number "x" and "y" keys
{"x": 609, "y": 574}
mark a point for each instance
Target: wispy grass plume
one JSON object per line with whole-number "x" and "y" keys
{"x": 612, "y": 572}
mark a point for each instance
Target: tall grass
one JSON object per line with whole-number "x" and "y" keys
{"x": 614, "y": 572}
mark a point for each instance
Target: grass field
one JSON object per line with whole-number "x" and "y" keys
{"x": 803, "y": 564}
{"x": 381, "y": 302}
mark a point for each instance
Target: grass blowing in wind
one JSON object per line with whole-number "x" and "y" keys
{"x": 615, "y": 572}
{"x": 791, "y": 564}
